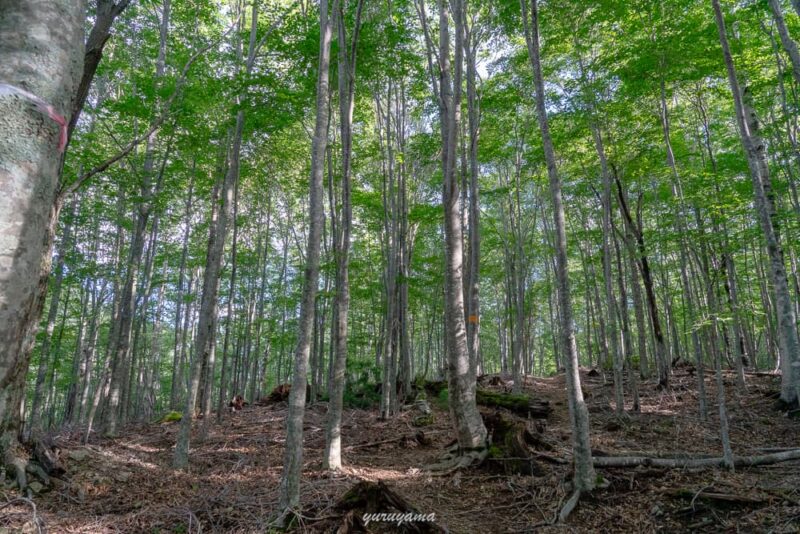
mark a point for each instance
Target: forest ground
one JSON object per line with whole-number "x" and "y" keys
{"x": 127, "y": 485}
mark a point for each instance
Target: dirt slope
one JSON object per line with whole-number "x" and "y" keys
{"x": 126, "y": 484}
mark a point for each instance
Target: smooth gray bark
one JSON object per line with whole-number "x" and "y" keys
{"x": 584, "y": 479}
{"x": 470, "y": 431}
{"x": 755, "y": 151}
{"x": 48, "y": 64}
{"x": 332, "y": 458}
{"x": 289, "y": 489}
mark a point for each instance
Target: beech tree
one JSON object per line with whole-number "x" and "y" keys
{"x": 585, "y": 478}
{"x": 293, "y": 456}
{"x": 40, "y": 93}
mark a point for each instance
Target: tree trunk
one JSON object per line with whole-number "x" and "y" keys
{"x": 30, "y": 156}
{"x": 584, "y": 479}
{"x": 289, "y": 489}
{"x": 120, "y": 365}
{"x": 786, "y": 40}
{"x": 332, "y": 459}
{"x": 470, "y": 431}
{"x": 181, "y": 292}
{"x": 55, "y": 303}
{"x": 471, "y": 43}
{"x": 755, "y": 151}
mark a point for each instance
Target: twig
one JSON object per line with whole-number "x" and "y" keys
{"x": 38, "y": 521}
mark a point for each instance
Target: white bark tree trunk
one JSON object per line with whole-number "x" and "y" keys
{"x": 332, "y": 458}
{"x": 470, "y": 431}
{"x": 759, "y": 172}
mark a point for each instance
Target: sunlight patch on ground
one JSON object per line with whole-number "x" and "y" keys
{"x": 657, "y": 410}
{"x": 375, "y": 474}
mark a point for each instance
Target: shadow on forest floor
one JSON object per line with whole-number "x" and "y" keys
{"x": 127, "y": 485}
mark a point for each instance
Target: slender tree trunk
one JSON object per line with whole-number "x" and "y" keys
{"x": 786, "y": 40}
{"x": 176, "y": 383}
{"x": 470, "y": 431}
{"x": 121, "y": 351}
{"x": 755, "y": 151}
{"x": 223, "y": 384}
{"x": 584, "y": 479}
{"x": 289, "y": 489}
{"x": 332, "y": 458}
{"x": 471, "y": 43}
{"x": 636, "y": 231}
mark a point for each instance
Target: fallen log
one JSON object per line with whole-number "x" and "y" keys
{"x": 725, "y": 498}
{"x": 689, "y": 463}
{"x": 522, "y": 405}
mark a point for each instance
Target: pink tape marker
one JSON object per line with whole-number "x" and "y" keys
{"x": 42, "y": 106}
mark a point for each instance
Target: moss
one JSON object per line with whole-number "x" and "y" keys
{"x": 170, "y": 417}
{"x": 423, "y": 420}
{"x": 442, "y": 399}
{"x": 503, "y": 400}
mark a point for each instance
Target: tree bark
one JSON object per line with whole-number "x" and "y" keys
{"x": 755, "y": 152}
{"x": 55, "y": 303}
{"x": 332, "y": 459}
{"x": 470, "y": 430}
{"x": 584, "y": 479}
{"x": 46, "y": 63}
{"x": 289, "y": 489}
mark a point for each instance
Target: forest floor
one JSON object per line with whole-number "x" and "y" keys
{"x": 127, "y": 485}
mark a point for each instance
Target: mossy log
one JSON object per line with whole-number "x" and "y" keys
{"x": 522, "y": 405}
{"x": 170, "y": 417}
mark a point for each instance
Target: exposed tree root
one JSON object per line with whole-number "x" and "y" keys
{"x": 569, "y": 506}
{"x": 40, "y": 459}
{"x": 455, "y": 458}
{"x": 15, "y": 464}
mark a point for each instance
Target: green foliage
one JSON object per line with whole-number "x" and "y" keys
{"x": 361, "y": 390}
{"x": 443, "y": 399}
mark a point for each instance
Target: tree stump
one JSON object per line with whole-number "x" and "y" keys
{"x": 513, "y": 446}
{"x": 377, "y": 498}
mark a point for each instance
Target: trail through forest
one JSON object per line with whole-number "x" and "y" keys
{"x": 126, "y": 484}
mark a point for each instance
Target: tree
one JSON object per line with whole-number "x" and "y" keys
{"x": 29, "y": 167}
{"x": 293, "y": 454}
{"x": 755, "y": 152}
{"x": 469, "y": 427}
{"x": 584, "y": 479}
{"x": 346, "y": 74}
